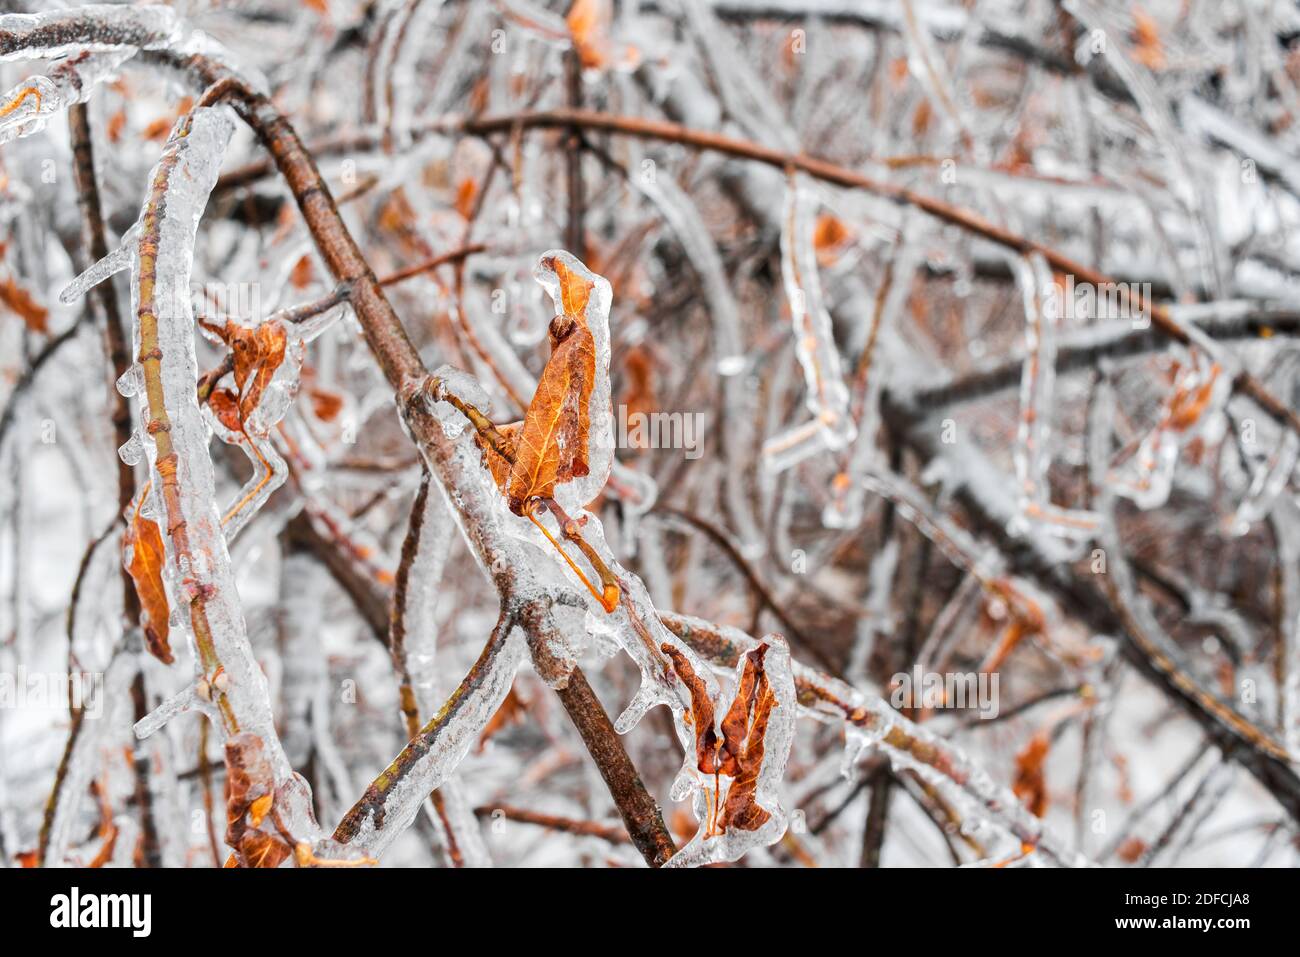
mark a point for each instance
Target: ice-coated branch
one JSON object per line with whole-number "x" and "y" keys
{"x": 871, "y": 723}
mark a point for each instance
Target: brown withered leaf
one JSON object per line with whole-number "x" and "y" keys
{"x": 574, "y": 290}
{"x": 225, "y": 405}
{"x": 325, "y": 405}
{"x": 589, "y": 23}
{"x": 115, "y": 125}
{"x": 735, "y": 723}
{"x": 257, "y": 353}
{"x": 20, "y": 302}
{"x": 466, "y": 193}
{"x": 638, "y": 394}
{"x": 553, "y": 443}
{"x": 301, "y": 275}
{"x": 1030, "y": 785}
{"x": 829, "y": 236}
{"x": 248, "y": 779}
{"x": 1147, "y": 48}
{"x": 143, "y": 542}
{"x": 744, "y": 761}
{"x": 259, "y": 849}
{"x": 1130, "y": 849}
{"x": 706, "y": 738}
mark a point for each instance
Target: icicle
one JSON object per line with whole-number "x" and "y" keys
{"x": 25, "y": 108}
{"x": 1032, "y": 455}
{"x": 1267, "y": 485}
{"x": 182, "y": 702}
{"x": 728, "y": 345}
{"x": 115, "y": 262}
{"x": 827, "y": 396}
{"x": 844, "y": 510}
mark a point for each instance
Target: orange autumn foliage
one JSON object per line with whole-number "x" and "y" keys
{"x": 144, "y": 544}
{"x": 20, "y": 302}
{"x": 1030, "y": 785}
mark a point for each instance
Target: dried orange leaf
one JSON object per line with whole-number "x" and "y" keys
{"x": 1030, "y": 785}
{"x": 553, "y": 442}
{"x": 589, "y": 23}
{"x": 259, "y": 849}
{"x": 20, "y": 302}
{"x": 706, "y": 738}
{"x": 741, "y": 810}
{"x": 301, "y": 274}
{"x": 143, "y": 545}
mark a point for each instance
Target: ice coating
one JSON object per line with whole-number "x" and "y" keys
{"x": 844, "y": 510}
{"x": 96, "y": 28}
{"x": 1267, "y": 485}
{"x": 445, "y": 742}
{"x": 728, "y": 344}
{"x": 732, "y": 843}
{"x": 437, "y": 531}
{"x": 827, "y": 397}
{"x": 574, "y": 495}
{"x": 869, "y": 722}
{"x": 406, "y": 24}
{"x": 1032, "y": 453}
{"x": 159, "y": 252}
{"x": 253, "y": 429}
{"x": 1193, "y": 409}
{"x": 98, "y": 720}
{"x": 29, "y": 104}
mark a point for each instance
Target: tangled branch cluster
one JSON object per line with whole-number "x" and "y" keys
{"x": 886, "y": 410}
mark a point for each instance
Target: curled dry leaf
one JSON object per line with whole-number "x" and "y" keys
{"x": 738, "y": 752}
{"x": 145, "y": 558}
{"x": 20, "y": 302}
{"x": 706, "y": 735}
{"x": 744, "y": 733}
{"x": 250, "y": 797}
{"x": 1030, "y": 785}
{"x": 589, "y": 22}
{"x": 257, "y": 352}
{"x": 551, "y": 445}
